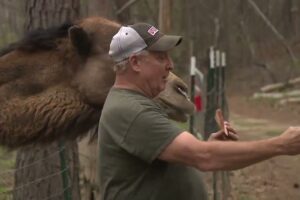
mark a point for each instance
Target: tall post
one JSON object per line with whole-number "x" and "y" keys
{"x": 64, "y": 171}
{"x": 192, "y": 90}
{"x": 165, "y": 13}
{"x": 223, "y": 65}
{"x": 216, "y": 99}
{"x": 210, "y": 124}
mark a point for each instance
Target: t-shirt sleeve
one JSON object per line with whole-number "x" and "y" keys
{"x": 149, "y": 134}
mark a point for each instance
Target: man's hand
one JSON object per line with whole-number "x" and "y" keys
{"x": 225, "y": 132}
{"x": 291, "y": 140}
{"x": 222, "y": 136}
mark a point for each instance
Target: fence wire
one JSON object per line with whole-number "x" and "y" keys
{"x": 7, "y": 188}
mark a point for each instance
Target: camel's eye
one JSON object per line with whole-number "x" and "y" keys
{"x": 182, "y": 91}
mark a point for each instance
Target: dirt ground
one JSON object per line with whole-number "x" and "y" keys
{"x": 277, "y": 178}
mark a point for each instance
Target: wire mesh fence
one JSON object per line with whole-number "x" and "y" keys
{"x": 87, "y": 175}
{"x": 8, "y": 188}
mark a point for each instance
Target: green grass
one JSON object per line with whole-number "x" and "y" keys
{"x": 7, "y": 162}
{"x": 2, "y": 189}
{"x": 184, "y": 126}
{"x": 244, "y": 197}
{"x": 7, "y": 159}
{"x": 4, "y": 193}
{"x": 273, "y": 133}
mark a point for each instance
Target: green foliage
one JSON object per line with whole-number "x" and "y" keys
{"x": 7, "y": 162}
{"x": 183, "y": 125}
{"x": 7, "y": 35}
{"x": 5, "y": 194}
{"x": 245, "y": 197}
{"x": 2, "y": 190}
{"x": 273, "y": 133}
{"x": 7, "y": 159}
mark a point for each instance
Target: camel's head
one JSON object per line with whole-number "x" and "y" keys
{"x": 91, "y": 36}
{"x": 175, "y": 100}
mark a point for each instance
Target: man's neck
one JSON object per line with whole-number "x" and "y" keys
{"x": 121, "y": 82}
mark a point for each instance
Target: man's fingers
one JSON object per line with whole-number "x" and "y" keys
{"x": 230, "y": 136}
{"x": 233, "y": 136}
{"x": 219, "y": 118}
{"x": 231, "y": 130}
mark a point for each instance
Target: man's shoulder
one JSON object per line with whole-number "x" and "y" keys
{"x": 122, "y": 107}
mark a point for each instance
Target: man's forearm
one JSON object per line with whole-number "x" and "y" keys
{"x": 236, "y": 155}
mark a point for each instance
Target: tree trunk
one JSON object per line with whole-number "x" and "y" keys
{"x": 124, "y": 16}
{"x": 165, "y": 15}
{"x": 39, "y": 173}
{"x": 43, "y": 13}
{"x": 97, "y": 8}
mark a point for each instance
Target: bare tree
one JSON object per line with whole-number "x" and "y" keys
{"x": 165, "y": 12}
{"x": 294, "y": 16}
{"x": 280, "y": 37}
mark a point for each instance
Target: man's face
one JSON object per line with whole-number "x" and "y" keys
{"x": 155, "y": 68}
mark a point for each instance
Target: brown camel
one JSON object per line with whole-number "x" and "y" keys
{"x": 54, "y": 82}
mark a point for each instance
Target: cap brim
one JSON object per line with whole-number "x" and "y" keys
{"x": 165, "y": 43}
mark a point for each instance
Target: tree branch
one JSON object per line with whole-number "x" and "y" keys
{"x": 125, "y": 6}
{"x": 277, "y": 34}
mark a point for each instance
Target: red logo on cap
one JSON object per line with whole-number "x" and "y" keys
{"x": 152, "y": 31}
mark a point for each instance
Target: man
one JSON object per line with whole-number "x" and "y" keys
{"x": 142, "y": 154}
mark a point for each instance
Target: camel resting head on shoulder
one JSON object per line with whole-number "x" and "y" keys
{"x": 53, "y": 83}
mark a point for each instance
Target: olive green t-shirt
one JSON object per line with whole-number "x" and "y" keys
{"x": 133, "y": 131}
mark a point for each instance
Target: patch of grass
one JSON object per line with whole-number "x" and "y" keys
{"x": 250, "y": 122}
{"x": 245, "y": 197}
{"x": 184, "y": 126}
{"x": 7, "y": 159}
{"x": 2, "y": 189}
{"x": 7, "y": 162}
{"x": 273, "y": 133}
{"x": 5, "y": 194}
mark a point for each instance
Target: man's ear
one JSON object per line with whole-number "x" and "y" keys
{"x": 80, "y": 40}
{"x": 134, "y": 63}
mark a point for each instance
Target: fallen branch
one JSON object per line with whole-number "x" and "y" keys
{"x": 125, "y": 6}
{"x": 278, "y": 86}
{"x": 294, "y": 100}
{"x": 278, "y": 35}
{"x": 277, "y": 95}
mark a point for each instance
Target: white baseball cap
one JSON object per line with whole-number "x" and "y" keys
{"x": 134, "y": 38}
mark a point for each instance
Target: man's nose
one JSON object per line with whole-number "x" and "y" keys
{"x": 170, "y": 65}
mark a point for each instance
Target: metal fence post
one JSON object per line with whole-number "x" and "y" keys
{"x": 65, "y": 171}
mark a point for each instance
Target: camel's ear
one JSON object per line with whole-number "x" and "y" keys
{"x": 80, "y": 40}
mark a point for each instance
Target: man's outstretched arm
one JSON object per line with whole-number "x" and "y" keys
{"x": 228, "y": 155}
